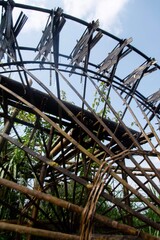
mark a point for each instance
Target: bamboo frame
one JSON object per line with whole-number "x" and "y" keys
{"x": 89, "y": 170}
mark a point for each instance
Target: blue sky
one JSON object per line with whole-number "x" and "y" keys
{"x": 138, "y": 19}
{"x": 141, "y": 21}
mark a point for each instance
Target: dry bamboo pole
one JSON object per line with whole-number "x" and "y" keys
{"x": 78, "y": 179}
{"x": 75, "y": 208}
{"x": 107, "y": 129}
{"x": 63, "y": 133}
{"x": 128, "y": 219}
{"x": 137, "y": 121}
{"x": 138, "y": 194}
{"x": 58, "y": 235}
{"x": 37, "y": 186}
{"x": 139, "y": 183}
{"x": 90, "y": 208}
{"x": 62, "y": 105}
{"x": 36, "y": 232}
{"x": 148, "y": 121}
{"x": 131, "y": 137}
{"x": 9, "y": 123}
{"x": 64, "y": 171}
{"x": 7, "y": 127}
{"x": 44, "y": 159}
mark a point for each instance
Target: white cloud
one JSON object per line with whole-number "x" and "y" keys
{"x": 39, "y": 3}
{"x": 78, "y": 8}
{"x": 107, "y": 11}
{"x": 35, "y": 20}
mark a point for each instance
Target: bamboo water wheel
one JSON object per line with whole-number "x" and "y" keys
{"x": 79, "y": 131}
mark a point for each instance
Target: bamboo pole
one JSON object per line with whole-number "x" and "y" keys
{"x": 58, "y": 235}
{"x": 7, "y": 127}
{"x": 36, "y": 232}
{"x": 75, "y": 208}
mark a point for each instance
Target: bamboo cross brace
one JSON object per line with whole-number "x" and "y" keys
{"x": 75, "y": 208}
{"x": 53, "y": 124}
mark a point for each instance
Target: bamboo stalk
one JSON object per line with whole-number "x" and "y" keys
{"x": 7, "y": 127}
{"x": 83, "y": 182}
{"x": 53, "y": 124}
{"x": 58, "y": 235}
{"x": 75, "y": 208}
{"x": 36, "y": 232}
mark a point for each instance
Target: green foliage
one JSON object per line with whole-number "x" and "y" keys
{"x": 100, "y": 100}
{"x": 24, "y": 169}
{"x": 26, "y": 116}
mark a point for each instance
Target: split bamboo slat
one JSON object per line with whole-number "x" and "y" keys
{"x": 79, "y": 140}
